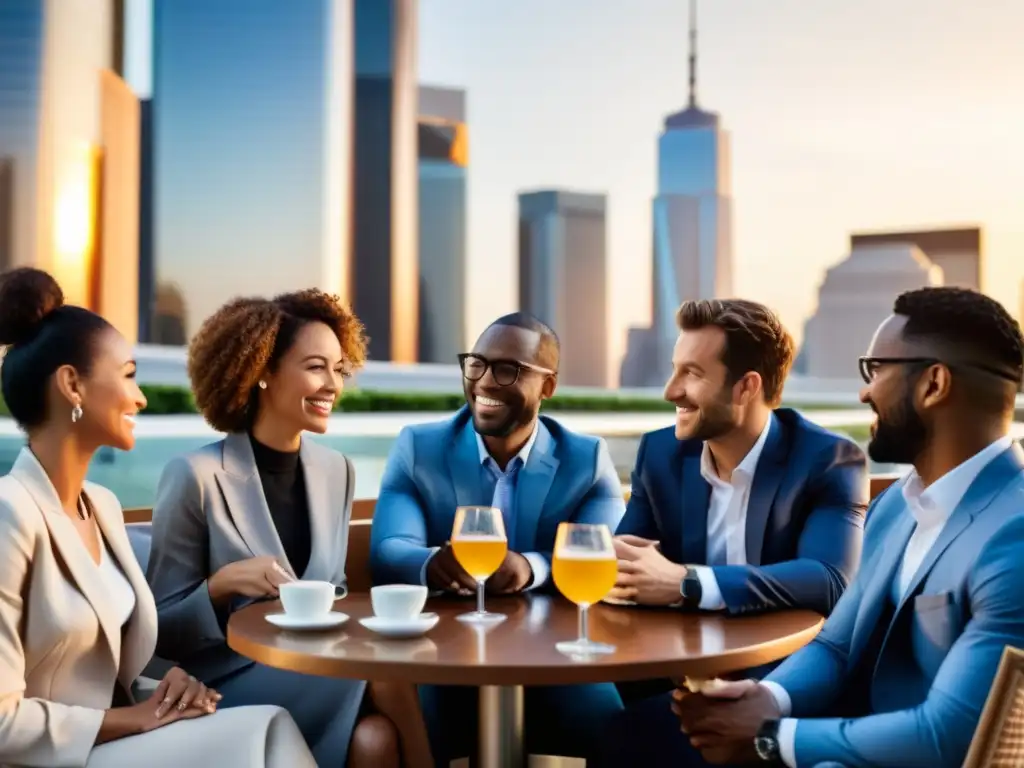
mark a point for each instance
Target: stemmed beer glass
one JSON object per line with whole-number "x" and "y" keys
{"x": 584, "y": 568}
{"x": 480, "y": 546}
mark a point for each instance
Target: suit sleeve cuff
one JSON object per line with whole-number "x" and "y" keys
{"x": 541, "y": 569}
{"x": 423, "y": 569}
{"x": 710, "y": 594}
{"x": 787, "y": 741}
{"x": 781, "y": 696}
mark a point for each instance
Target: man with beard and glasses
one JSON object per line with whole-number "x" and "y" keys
{"x": 901, "y": 670}
{"x": 742, "y": 507}
{"x": 498, "y": 451}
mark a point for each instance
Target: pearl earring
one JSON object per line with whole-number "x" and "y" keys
{"x": 76, "y": 413}
{"x": 263, "y": 384}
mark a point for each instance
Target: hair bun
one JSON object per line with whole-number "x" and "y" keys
{"x": 27, "y": 296}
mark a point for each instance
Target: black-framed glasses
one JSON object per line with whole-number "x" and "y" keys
{"x": 869, "y": 366}
{"x": 505, "y": 372}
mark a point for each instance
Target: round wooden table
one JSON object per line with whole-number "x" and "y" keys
{"x": 503, "y": 658}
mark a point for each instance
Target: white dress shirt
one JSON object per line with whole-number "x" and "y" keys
{"x": 931, "y": 507}
{"x": 727, "y": 518}
{"x": 119, "y": 589}
{"x": 541, "y": 570}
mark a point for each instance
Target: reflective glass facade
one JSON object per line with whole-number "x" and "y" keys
{"x": 245, "y": 177}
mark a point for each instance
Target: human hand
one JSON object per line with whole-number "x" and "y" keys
{"x": 254, "y": 577}
{"x": 180, "y": 691}
{"x": 445, "y": 573}
{"x": 723, "y": 720}
{"x": 179, "y": 696}
{"x": 646, "y": 576}
{"x": 513, "y": 575}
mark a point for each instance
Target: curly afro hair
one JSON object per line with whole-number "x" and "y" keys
{"x": 246, "y": 337}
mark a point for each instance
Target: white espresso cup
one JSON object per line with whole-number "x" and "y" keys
{"x": 307, "y": 599}
{"x": 398, "y": 601}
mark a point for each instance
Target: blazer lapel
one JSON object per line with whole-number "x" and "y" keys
{"x": 771, "y": 466}
{"x": 464, "y": 468}
{"x": 326, "y": 493}
{"x": 240, "y": 483}
{"x": 532, "y": 485}
{"x": 986, "y": 486}
{"x": 139, "y": 637}
{"x": 69, "y": 545}
{"x": 694, "y": 497}
{"x": 883, "y": 573}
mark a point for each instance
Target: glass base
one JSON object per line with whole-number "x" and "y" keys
{"x": 584, "y": 648}
{"x": 481, "y": 618}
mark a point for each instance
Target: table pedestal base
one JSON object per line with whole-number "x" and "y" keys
{"x": 501, "y": 727}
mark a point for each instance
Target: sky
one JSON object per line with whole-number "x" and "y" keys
{"x": 843, "y": 117}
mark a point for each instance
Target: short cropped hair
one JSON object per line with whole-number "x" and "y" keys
{"x": 549, "y": 351}
{"x": 966, "y": 319}
{"x": 247, "y": 337}
{"x": 755, "y": 340}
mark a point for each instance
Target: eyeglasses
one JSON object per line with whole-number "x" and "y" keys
{"x": 869, "y": 366}
{"x": 505, "y": 372}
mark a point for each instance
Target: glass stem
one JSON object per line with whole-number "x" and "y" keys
{"x": 584, "y": 635}
{"x": 480, "y": 595}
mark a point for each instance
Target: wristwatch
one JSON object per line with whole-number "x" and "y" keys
{"x": 766, "y": 743}
{"x": 691, "y": 589}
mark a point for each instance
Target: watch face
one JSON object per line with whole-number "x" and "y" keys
{"x": 765, "y": 747}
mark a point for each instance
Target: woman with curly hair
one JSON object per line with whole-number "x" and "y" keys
{"x": 77, "y": 619}
{"x": 237, "y": 518}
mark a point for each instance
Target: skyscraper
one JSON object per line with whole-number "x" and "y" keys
{"x": 252, "y": 128}
{"x": 443, "y": 142}
{"x": 957, "y": 250}
{"x": 563, "y": 277}
{"x": 385, "y": 281}
{"x": 692, "y": 238}
{"x": 68, "y": 135}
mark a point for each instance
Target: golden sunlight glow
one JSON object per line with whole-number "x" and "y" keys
{"x": 76, "y": 222}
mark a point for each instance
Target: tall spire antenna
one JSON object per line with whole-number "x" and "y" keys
{"x": 693, "y": 53}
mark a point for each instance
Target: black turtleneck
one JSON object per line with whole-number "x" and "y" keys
{"x": 284, "y": 486}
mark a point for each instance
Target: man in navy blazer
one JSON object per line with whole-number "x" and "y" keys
{"x": 901, "y": 670}
{"x": 741, "y": 506}
{"x": 498, "y": 451}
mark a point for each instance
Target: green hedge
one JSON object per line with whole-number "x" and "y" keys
{"x": 165, "y": 401}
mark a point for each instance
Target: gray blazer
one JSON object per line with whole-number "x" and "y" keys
{"x": 210, "y": 511}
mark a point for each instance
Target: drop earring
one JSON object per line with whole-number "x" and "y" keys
{"x": 76, "y": 413}
{"x": 263, "y": 384}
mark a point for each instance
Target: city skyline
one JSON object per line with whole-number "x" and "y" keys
{"x": 921, "y": 134}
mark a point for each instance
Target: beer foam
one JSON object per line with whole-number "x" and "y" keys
{"x": 582, "y": 554}
{"x": 479, "y": 537}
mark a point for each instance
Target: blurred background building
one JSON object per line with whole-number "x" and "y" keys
{"x": 563, "y": 277}
{"x": 692, "y": 238}
{"x": 443, "y": 148}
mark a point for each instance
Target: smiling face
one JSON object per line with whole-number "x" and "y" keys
{"x": 500, "y": 409}
{"x": 899, "y": 433}
{"x": 109, "y": 395}
{"x": 301, "y": 391}
{"x": 698, "y": 386}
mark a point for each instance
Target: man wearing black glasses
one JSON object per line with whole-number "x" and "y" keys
{"x": 901, "y": 670}
{"x": 498, "y": 451}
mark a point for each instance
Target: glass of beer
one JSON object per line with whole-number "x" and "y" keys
{"x": 584, "y": 569}
{"x": 480, "y": 546}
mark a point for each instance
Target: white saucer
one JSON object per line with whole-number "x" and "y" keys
{"x": 283, "y": 620}
{"x": 401, "y": 628}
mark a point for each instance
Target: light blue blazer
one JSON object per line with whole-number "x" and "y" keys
{"x": 940, "y": 652}
{"x": 434, "y": 468}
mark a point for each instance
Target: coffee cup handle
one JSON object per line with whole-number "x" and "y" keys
{"x": 340, "y": 591}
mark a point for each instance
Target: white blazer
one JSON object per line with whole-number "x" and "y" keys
{"x": 62, "y": 649}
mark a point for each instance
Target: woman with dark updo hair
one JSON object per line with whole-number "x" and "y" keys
{"x": 236, "y": 519}
{"x": 77, "y": 620}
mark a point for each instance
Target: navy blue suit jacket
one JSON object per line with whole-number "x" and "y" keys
{"x": 805, "y": 516}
